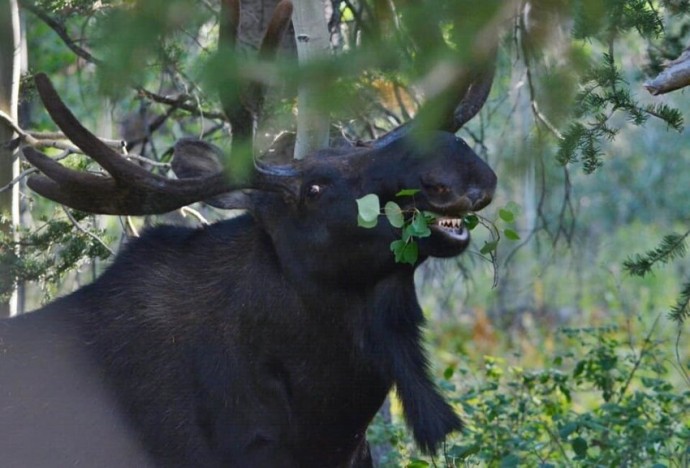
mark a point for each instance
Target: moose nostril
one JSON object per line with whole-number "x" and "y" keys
{"x": 478, "y": 198}
{"x": 436, "y": 189}
{"x": 475, "y": 194}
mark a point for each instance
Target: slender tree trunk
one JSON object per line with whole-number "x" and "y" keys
{"x": 312, "y": 38}
{"x": 9, "y": 91}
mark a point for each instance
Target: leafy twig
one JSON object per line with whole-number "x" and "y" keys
{"x": 61, "y": 31}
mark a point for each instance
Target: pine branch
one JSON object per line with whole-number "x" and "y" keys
{"x": 672, "y": 247}
{"x": 681, "y": 311}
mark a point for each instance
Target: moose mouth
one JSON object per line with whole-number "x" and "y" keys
{"x": 451, "y": 228}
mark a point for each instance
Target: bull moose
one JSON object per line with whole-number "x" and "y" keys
{"x": 268, "y": 339}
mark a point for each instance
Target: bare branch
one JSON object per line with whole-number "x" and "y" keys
{"x": 55, "y": 140}
{"x": 180, "y": 102}
{"x": 675, "y": 76}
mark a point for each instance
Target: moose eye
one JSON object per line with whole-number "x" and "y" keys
{"x": 314, "y": 190}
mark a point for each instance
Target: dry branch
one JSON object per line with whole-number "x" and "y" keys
{"x": 675, "y": 76}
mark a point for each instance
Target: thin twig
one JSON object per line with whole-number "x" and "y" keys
{"x": 84, "y": 231}
{"x": 51, "y": 139}
{"x": 645, "y": 347}
{"x": 181, "y": 103}
{"x": 18, "y": 178}
{"x": 147, "y": 160}
{"x": 681, "y": 366}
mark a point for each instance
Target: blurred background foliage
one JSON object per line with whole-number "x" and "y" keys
{"x": 564, "y": 347}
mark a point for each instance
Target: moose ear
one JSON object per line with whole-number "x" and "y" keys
{"x": 196, "y": 158}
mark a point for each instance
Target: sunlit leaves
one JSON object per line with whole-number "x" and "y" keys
{"x": 413, "y": 227}
{"x": 368, "y": 209}
{"x": 394, "y": 214}
{"x": 506, "y": 215}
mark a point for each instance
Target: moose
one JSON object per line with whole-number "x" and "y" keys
{"x": 268, "y": 339}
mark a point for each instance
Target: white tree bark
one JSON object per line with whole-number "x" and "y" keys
{"x": 311, "y": 35}
{"x": 10, "y": 61}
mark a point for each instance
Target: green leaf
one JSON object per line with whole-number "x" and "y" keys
{"x": 471, "y": 221}
{"x": 488, "y": 247}
{"x": 419, "y": 226}
{"x": 407, "y": 192}
{"x": 579, "y": 447}
{"x": 510, "y": 461}
{"x": 394, "y": 214}
{"x": 506, "y": 215}
{"x": 448, "y": 373}
{"x": 366, "y": 224}
{"x": 511, "y": 234}
{"x": 513, "y": 207}
{"x": 397, "y": 245}
{"x": 429, "y": 216}
{"x": 464, "y": 451}
{"x": 369, "y": 207}
{"x": 567, "y": 430}
{"x": 405, "y": 252}
{"x": 417, "y": 464}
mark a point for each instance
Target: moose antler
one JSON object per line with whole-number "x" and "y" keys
{"x": 470, "y": 91}
{"x": 243, "y": 107}
{"x": 130, "y": 189}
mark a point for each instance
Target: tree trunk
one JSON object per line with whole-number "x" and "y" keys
{"x": 9, "y": 162}
{"x": 312, "y": 38}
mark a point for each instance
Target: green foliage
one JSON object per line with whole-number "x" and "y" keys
{"x": 596, "y": 18}
{"x": 681, "y": 310}
{"x": 604, "y": 94}
{"x": 414, "y": 225}
{"x": 672, "y": 247}
{"x": 48, "y": 252}
{"x": 601, "y": 402}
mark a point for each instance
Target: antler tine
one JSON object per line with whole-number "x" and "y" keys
{"x": 474, "y": 97}
{"x": 229, "y": 22}
{"x": 109, "y": 159}
{"x": 131, "y": 190}
{"x": 470, "y": 91}
{"x": 72, "y": 186}
{"x": 139, "y": 196}
{"x": 280, "y": 20}
{"x": 242, "y": 107}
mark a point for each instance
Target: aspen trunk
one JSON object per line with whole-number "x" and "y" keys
{"x": 9, "y": 163}
{"x": 311, "y": 36}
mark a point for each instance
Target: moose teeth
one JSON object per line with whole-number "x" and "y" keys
{"x": 452, "y": 223}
